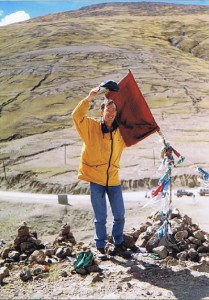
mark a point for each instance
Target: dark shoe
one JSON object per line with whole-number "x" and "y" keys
{"x": 120, "y": 250}
{"x": 101, "y": 254}
{"x": 134, "y": 248}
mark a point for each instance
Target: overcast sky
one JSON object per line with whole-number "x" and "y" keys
{"x": 16, "y": 11}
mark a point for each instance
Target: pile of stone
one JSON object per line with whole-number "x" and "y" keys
{"x": 24, "y": 245}
{"x": 35, "y": 255}
{"x": 174, "y": 235}
{"x": 64, "y": 242}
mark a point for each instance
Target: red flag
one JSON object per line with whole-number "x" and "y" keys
{"x": 135, "y": 119}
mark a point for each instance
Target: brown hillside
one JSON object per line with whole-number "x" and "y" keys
{"x": 49, "y": 63}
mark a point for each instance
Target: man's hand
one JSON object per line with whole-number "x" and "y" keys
{"x": 92, "y": 94}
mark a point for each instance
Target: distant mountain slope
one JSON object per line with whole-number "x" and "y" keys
{"x": 49, "y": 63}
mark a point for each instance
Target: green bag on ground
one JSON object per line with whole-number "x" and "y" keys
{"x": 84, "y": 260}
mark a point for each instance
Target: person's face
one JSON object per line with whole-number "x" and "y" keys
{"x": 109, "y": 113}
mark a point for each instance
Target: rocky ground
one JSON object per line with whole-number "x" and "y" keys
{"x": 141, "y": 277}
{"x": 144, "y": 276}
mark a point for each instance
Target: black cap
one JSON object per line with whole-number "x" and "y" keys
{"x": 110, "y": 85}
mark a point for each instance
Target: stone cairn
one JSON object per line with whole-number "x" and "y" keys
{"x": 185, "y": 240}
{"x": 36, "y": 256}
{"x": 24, "y": 245}
{"x": 64, "y": 242}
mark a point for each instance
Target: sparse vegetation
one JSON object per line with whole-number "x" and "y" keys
{"x": 48, "y": 64}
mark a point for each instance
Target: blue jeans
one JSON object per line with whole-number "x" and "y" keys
{"x": 98, "y": 200}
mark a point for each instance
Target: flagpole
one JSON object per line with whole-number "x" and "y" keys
{"x": 170, "y": 173}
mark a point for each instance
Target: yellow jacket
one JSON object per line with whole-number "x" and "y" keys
{"x": 101, "y": 152}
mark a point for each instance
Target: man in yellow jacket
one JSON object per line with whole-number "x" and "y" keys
{"x": 99, "y": 165}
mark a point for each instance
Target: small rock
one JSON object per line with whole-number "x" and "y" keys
{"x": 199, "y": 234}
{"x": 161, "y": 251}
{"x": 37, "y": 256}
{"x": 37, "y": 297}
{"x": 63, "y": 273}
{"x": 4, "y": 272}
{"x": 25, "y": 274}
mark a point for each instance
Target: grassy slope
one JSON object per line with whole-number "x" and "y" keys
{"x": 48, "y": 64}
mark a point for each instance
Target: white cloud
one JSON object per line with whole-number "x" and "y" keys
{"x": 18, "y": 16}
